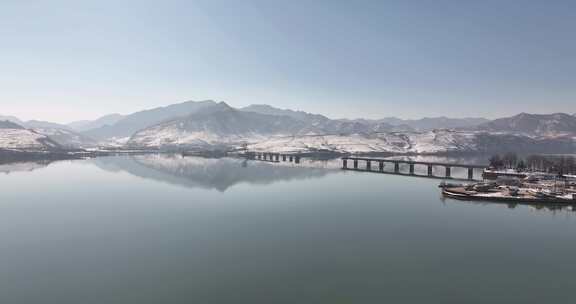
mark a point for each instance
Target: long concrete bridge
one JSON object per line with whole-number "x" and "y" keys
{"x": 382, "y": 162}
{"x": 273, "y": 157}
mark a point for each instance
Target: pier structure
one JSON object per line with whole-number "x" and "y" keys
{"x": 411, "y": 166}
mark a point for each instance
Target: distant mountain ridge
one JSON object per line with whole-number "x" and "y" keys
{"x": 533, "y": 124}
{"x": 132, "y": 123}
{"x": 270, "y": 110}
{"x": 14, "y": 137}
{"x": 11, "y": 119}
{"x": 6, "y": 124}
{"x": 216, "y": 125}
{"x": 85, "y": 125}
{"x": 431, "y": 123}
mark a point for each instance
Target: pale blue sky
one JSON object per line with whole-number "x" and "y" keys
{"x": 67, "y": 60}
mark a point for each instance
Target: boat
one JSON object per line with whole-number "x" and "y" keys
{"x": 510, "y": 195}
{"x": 495, "y": 174}
{"x": 444, "y": 184}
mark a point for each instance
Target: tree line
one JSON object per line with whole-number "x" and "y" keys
{"x": 560, "y": 164}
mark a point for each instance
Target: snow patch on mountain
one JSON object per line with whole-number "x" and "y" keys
{"x": 67, "y": 138}
{"x": 24, "y": 139}
{"x": 395, "y": 142}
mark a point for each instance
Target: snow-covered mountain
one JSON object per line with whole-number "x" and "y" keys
{"x": 222, "y": 127}
{"x": 7, "y": 124}
{"x": 38, "y": 124}
{"x": 533, "y": 124}
{"x": 429, "y": 142}
{"x": 319, "y": 124}
{"x": 85, "y": 125}
{"x": 11, "y": 119}
{"x": 269, "y": 110}
{"x": 432, "y": 123}
{"x": 132, "y": 123}
{"x": 16, "y": 138}
{"x": 37, "y": 135}
{"x": 212, "y": 127}
{"x": 67, "y": 138}
{"x": 208, "y": 125}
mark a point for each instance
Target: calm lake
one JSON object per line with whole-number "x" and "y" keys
{"x": 167, "y": 229}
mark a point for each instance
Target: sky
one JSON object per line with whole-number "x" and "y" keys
{"x": 70, "y": 60}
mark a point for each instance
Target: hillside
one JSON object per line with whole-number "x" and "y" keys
{"x": 20, "y": 139}
{"x": 533, "y": 124}
{"x": 132, "y": 123}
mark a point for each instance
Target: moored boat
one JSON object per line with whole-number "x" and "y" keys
{"x": 513, "y": 195}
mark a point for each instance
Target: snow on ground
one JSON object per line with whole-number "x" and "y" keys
{"x": 431, "y": 142}
{"x": 406, "y": 142}
{"x": 66, "y": 138}
{"x": 23, "y": 139}
{"x": 162, "y": 137}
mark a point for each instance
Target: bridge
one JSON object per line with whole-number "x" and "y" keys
{"x": 430, "y": 166}
{"x": 273, "y": 157}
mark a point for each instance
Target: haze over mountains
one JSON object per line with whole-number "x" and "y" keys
{"x": 210, "y": 125}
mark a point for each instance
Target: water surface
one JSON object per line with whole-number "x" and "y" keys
{"x": 167, "y": 229}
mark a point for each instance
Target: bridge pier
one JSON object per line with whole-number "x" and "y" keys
{"x": 352, "y": 163}
{"x": 277, "y": 157}
{"x": 291, "y": 158}
{"x": 283, "y": 157}
{"x": 297, "y": 159}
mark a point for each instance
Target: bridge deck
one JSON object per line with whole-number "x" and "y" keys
{"x": 415, "y": 162}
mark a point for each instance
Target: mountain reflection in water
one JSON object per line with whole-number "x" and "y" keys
{"x": 24, "y": 166}
{"x": 212, "y": 173}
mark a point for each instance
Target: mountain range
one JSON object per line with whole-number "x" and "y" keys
{"x": 209, "y": 125}
{"x": 533, "y": 124}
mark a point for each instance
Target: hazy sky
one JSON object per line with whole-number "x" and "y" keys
{"x": 67, "y": 60}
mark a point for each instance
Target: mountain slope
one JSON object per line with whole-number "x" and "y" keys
{"x": 533, "y": 124}
{"x": 67, "y": 138}
{"x": 430, "y": 142}
{"x": 6, "y": 124}
{"x": 221, "y": 125}
{"x": 16, "y": 138}
{"x": 128, "y": 125}
{"x": 38, "y": 124}
{"x": 12, "y": 119}
{"x": 431, "y": 123}
{"x": 269, "y": 110}
{"x": 85, "y": 125}
{"x": 315, "y": 124}
{"x": 212, "y": 127}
